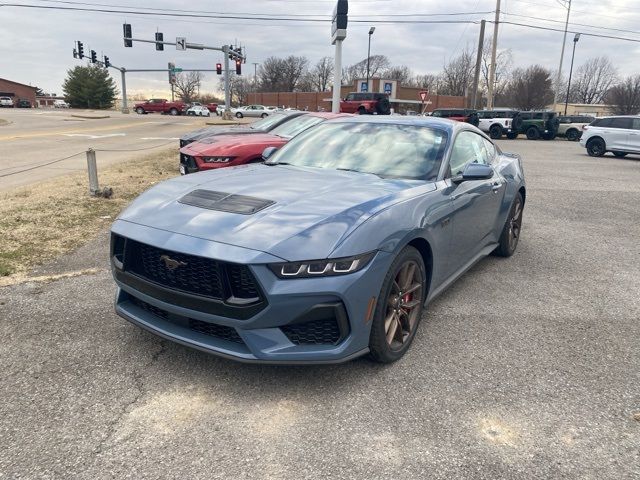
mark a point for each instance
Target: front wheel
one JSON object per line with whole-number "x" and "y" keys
{"x": 173, "y": 112}
{"x": 264, "y": 115}
{"x": 399, "y": 307}
{"x": 362, "y": 111}
{"x": 512, "y": 135}
{"x": 533, "y": 133}
{"x": 511, "y": 231}
{"x": 495, "y": 132}
{"x": 239, "y": 115}
{"x": 572, "y": 135}
{"x": 139, "y": 110}
{"x": 596, "y": 147}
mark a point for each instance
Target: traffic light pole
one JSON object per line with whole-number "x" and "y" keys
{"x": 125, "y": 107}
{"x": 227, "y": 90}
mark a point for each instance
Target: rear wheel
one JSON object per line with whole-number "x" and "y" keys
{"x": 596, "y": 147}
{"x": 239, "y": 115}
{"x": 620, "y": 154}
{"x": 263, "y": 115}
{"x": 511, "y": 231}
{"x": 399, "y": 307}
{"x": 139, "y": 110}
{"x": 362, "y": 111}
{"x": 173, "y": 112}
{"x": 572, "y": 135}
{"x": 383, "y": 107}
{"x": 512, "y": 135}
{"x": 495, "y": 132}
{"x": 533, "y": 133}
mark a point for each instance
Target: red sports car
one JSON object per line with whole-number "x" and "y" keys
{"x": 232, "y": 150}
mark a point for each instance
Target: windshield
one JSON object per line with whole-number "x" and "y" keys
{"x": 295, "y": 126}
{"x": 387, "y": 150}
{"x": 267, "y": 122}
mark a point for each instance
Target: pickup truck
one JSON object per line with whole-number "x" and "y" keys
{"x": 160, "y": 105}
{"x": 366, "y": 104}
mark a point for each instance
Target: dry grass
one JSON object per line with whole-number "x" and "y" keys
{"x": 43, "y": 221}
{"x": 3, "y": 122}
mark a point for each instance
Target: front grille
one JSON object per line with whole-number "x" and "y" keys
{"x": 318, "y": 332}
{"x": 222, "y": 332}
{"x": 242, "y": 282}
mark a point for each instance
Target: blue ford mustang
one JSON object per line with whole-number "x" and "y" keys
{"x": 329, "y": 250}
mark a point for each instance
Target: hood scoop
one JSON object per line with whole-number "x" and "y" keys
{"x": 225, "y": 202}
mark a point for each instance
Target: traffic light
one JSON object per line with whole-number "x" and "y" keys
{"x": 172, "y": 74}
{"x": 75, "y": 53}
{"x": 126, "y": 28}
{"x": 80, "y": 51}
{"x": 238, "y": 67}
{"x": 107, "y": 63}
{"x": 94, "y": 57}
{"x": 219, "y": 68}
{"x": 159, "y": 38}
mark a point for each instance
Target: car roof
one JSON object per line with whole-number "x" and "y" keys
{"x": 329, "y": 115}
{"x": 449, "y": 126}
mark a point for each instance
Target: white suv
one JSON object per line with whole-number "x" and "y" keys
{"x": 495, "y": 122}
{"x": 618, "y": 135}
{"x": 6, "y": 102}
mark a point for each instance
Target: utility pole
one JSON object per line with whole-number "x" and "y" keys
{"x": 492, "y": 67}
{"x": 123, "y": 73}
{"x": 564, "y": 41}
{"x": 255, "y": 76}
{"x": 338, "y": 34}
{"x": 476, "y": 77}
{"x": 227, "y": 91}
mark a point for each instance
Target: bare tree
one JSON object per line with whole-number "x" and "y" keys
{"x": 321, "y": 75}
{"x": 282, "y": 74}
{"x": 529, "y": 88}
{"x": 457, "y": 75}
{"x": 377, "y": 64}
{"x": 402, "y": 74}
{"x": 592, "y": 80}
{"x": 504, "y": 63}
{"x": 188, "y": 85}
{"x": 239, "y": 89}
{"x": 427, "y": 82}
{"x": 624, "y": 97}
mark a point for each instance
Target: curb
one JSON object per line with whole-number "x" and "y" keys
{"x": 90, "y": 117}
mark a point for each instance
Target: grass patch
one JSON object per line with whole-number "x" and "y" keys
{"x": 42, "y": 221}
{"x": 3, "y": 122}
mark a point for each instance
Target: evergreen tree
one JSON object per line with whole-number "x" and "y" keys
{"x": 89, "y": 87}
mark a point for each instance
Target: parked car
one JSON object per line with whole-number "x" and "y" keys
{"x": 60, "y": 104}
{"x": 327, "y": 251}
{"x": 535, "y": 125}
{"x": 6, "y": 102}
{"x": 253, "y": 111}
{"x": 264, "y": 125}
{"x": 467, "y": 115}
{"x": 496, "y": 122}
{"x": 235, "y": 150}
{"x": 618, "y": 135}
{"x": 198, "y": 110}
{"x": 23, "y": 103}
{"x": 366, "y": 104}
{"x": 160, "y": 105}
{"x": 571, "y": 126}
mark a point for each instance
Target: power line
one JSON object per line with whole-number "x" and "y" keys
{"x": 540, "y": 27}
{"x": 573, "y": 23}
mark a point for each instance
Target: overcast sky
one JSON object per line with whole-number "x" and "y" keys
{"x": 36, "y": 44}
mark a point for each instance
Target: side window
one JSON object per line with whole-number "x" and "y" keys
{"x": 468, "y": 147}
{"x": 636, "y": 124}
{"x": 350, "y": 97}
{"x": 491, "y": 150}
{"x": 621, "y": 122}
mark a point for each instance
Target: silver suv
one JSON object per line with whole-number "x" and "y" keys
{"x": 618, "y": 135}
{"x": 495, "y": 122}
{"x": 6, "y": 102}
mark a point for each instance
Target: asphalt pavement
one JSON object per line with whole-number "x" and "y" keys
{"x": 526, "y": 368}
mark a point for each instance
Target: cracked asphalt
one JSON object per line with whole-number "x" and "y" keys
{"x": 526, "y": 368}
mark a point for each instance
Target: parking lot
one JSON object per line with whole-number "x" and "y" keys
{"x": 526, "y": 368}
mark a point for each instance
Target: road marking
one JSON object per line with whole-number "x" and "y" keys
{"x": 160, "y": 138}
{"x": 93, "y": 137}
{"x": 62, "y": 132}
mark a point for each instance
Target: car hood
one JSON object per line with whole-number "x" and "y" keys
{"x": 227, "y": 143}
{"x": 313, "y": 210}
{"x": 211, "y": 131}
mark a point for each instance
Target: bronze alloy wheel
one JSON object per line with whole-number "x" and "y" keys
{"x": 405, "y": 296}
{"x": 399, "y": 309}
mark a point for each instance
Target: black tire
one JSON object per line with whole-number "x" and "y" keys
{"x": 533, "y": 133}
{"x": 512, "y": 227}
{"x": 495, "y": 132}
{"x": 362, "y": 111}
{"x": 549, "y": 135}
{"x": 264, "y": 115}
{"x": 512, "y": 135}
{"x": 173, "y": 112}
{"x": 390, "y": 316}
{"x": 596, "y": 147}
{"x": 516, "y": 124}
{"x": 620, "y": 154}
{"x": 383, "y": 107}
{"x": 239, "y": 115}
{"x": 474, "y": 119}
{"x": 572, "y": 135}
{"x": 140, "y": 111}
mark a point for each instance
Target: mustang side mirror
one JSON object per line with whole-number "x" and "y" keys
{"x": 474, "y": 171}
{"x": 268, "y": 153}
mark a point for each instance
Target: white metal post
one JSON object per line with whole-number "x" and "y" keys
{"x": 125, "y": 107}
{"x": 337, "y": 78}
{"x": 92, "y": 168}
{"x": 559, "y": 76}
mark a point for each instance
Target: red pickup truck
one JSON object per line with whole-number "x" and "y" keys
{"x": 161, "y": 105}
{"x": 366, "y": 103}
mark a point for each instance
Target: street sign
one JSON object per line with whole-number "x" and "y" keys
{"x": 423, "y": 95}
{"x": 340, "y": 20}
{"x": 388, "y": 88}
{"x": 181, "y": 43}
{"x": 176, "y": 70}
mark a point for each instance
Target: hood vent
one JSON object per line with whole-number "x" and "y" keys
{"x": 225, "y": 202}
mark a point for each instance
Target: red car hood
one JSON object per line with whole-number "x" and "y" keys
{"x": 230, "y": 144}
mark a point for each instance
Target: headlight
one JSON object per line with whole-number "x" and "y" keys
{"x": 322, "y": 268}
{"x": 217, "y": 159}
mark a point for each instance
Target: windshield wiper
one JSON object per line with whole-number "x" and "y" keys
{"x": 271, "y": 164}
{"x": 358, "y": 171}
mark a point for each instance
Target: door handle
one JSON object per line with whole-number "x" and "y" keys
{"x": 496, "y": 187}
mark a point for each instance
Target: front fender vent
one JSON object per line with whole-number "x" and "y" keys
{"x": 225, "y": 202}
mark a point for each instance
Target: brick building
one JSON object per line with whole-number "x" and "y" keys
{"x": 402, "y": 98}
{"x": 17, "y": 91}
